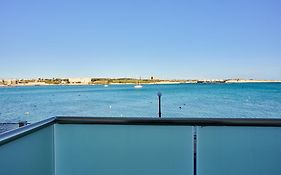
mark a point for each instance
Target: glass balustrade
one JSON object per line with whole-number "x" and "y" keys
{"x": 74, "y": 146}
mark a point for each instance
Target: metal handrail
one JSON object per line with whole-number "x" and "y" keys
{"x": 25, "y": 130}
{"x": 274, "y": 122}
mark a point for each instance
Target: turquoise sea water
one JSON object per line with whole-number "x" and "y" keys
{"x": 250, "y": 100}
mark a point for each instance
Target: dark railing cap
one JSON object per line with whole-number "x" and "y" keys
{"x": 170, "y": 121}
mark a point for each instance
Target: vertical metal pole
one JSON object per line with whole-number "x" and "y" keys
{"x": 195, "y": 150}
{"x": 159, "y": 103}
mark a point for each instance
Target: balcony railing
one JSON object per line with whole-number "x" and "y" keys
{"x": 143, "y": 146}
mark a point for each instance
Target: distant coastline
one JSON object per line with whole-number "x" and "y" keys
{"x": 117, "y": 81}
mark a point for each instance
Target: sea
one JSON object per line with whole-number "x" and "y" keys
{"x": 244, "y": 100}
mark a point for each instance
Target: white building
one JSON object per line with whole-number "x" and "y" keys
{"x": 80, "y": 80}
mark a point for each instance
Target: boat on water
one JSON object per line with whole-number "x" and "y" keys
{"x": 106, "y": 85}
{"x": 138, "y": 86}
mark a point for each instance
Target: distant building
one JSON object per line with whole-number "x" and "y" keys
{"x": 153, "y": 78}
{"x": 80, "y": 80}
{"x": 64, "y": 82}
{"x": 10, "y": 82}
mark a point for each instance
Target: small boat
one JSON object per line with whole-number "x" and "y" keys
{"x": 138, "y": 86}
{"x": 106, "y": 85}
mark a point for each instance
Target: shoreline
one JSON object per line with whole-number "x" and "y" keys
{"x": 152, "y": 83}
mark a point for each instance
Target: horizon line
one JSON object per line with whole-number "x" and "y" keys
{"x": 147, "y": 78}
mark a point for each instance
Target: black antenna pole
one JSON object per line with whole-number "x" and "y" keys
{"x": 159, "y": 94}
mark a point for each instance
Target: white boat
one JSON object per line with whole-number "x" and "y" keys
{"x": 138, "y": 86}
{"x": 106, "y": 85}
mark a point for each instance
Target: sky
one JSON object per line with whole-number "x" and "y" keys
{"x": 169, "y": 39}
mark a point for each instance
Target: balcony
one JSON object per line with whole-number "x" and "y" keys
{"x": 143, "y": 146}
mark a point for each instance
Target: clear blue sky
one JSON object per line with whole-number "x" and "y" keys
{"x": 133, "y": 38}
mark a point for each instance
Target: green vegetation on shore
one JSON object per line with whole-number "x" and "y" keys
{"x": 66, "y": 81}
{"x": 104, "y": 81}
{"x": 122, "y": 81}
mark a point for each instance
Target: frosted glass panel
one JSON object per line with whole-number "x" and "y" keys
{"x": 29, "y": 155}
{"x": 123, "y": 150}
{"x": 239, "y": 151}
